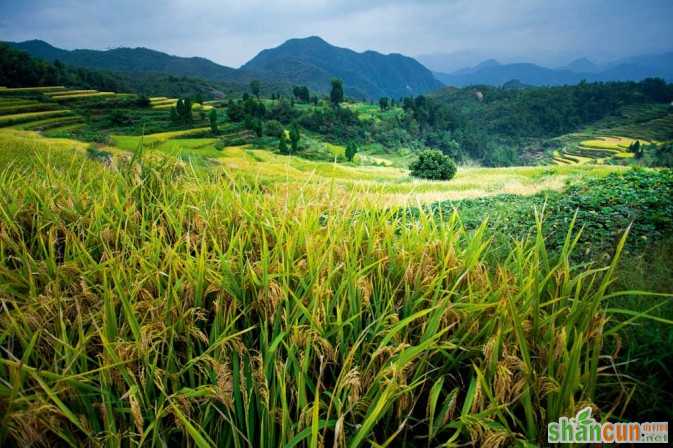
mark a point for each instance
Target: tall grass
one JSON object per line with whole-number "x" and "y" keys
{"x": 156, "y": 306}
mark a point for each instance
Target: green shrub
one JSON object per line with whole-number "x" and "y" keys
{"x": 434, "y": 165}
{"x": 273, "y": 128}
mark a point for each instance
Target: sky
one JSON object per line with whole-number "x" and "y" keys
{"x": 549, "y": 32}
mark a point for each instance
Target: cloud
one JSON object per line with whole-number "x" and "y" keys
{"x": 233, "y": 31}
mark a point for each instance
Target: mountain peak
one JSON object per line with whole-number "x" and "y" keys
{"x": 313, "y": 62}
{"x": 312, "y": 41}
{"x": 581, "y": 65}
{"x": 487, "y": 63}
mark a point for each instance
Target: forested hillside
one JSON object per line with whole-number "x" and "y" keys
{"x": 19, "y": 69}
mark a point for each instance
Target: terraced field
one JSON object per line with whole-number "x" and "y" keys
{"x": 162, "y": 102}
{"x": 608, "y": 140}
{"x": 644, "y": 122}
{"x": 70, "y": 95}
{"x": 23, "y": 109}
{"x": 43, "y": 89}
{"x": 596, "y": 150}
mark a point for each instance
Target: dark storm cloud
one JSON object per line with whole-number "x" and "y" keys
{"x": 231, "y": 32}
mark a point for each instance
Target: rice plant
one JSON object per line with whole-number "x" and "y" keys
{"x": 149, "y": 303}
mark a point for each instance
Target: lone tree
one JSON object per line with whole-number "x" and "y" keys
{"x": 351, "y": 150}
{"x": 434, "y": 165}
{"x": 336, "y": 96}
{"x": 295, "y": 136}
{"x": 383, "y": 103}
{"x": 255, "y": 87}
{"x": 212, "y": 116}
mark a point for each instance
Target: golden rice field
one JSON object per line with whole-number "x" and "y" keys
{"x": 240, "y": 298}
{"x": 597, "y": 150}
{"x": 162, "y": 102}
{"x": 382, "y": 186}
{"x": 21, "y": 113}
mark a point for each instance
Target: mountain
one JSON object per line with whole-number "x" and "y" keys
{"x": 310, "y": 61}
{"x": 492, "y": 73}
{"x": 489, "y": 63}
{"x": 498, "y": 74}
{"x": 132, "y": 60}
{"x": 582, "y": 65}
{"x": 451, "y": 61}
{"x": 313, "y": 62}
{"x": 515, "y": 84}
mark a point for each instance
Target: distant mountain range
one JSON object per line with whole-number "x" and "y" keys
{"x": 369, "y": 75}
{"x": 310, "y": 61}
{"x": 491, "y": 72}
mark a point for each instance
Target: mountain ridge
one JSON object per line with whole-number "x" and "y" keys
{"x": 635, "y": 68}
{"x": 369, "y": 74}
{"x": 307, "y": 61}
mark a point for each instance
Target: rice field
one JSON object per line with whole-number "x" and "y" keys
{"x": 24, "y": 108}
{"x": 162, "y": 102}
{"x": 653, "y": 122}
{"x": 12, "y": 119}
{"x": 380, "y": 186}
{"x": 256, "y": 304}
{"x": 186, "y": 293}
{"x": 22, "y": 111}
{"x": 595, "y": 150}
{"x": 33, "y": 89}
{"x": 78, "y": 96}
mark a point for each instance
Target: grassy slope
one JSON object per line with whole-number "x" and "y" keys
{"x": 384, "y": 186}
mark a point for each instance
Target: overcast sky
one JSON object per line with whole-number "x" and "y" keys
{"x": 230, "y": 32}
